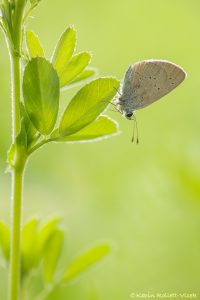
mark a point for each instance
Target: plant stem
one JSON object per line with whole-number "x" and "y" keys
{"x": 18, "y": 171}
{"x": 15, "y": 52}
{"x": 38, "y": 145}
{"x": 17, "y": 187}
{"x": 16, "y": 94}
{"x": 17, "y": 178}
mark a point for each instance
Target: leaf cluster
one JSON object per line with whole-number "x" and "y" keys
{"x": 41, "y": 248}
{"x": 11, "y": 16}
{"x": 43, "y": 80}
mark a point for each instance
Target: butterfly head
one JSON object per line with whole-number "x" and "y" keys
{"x": 128, "y": 115}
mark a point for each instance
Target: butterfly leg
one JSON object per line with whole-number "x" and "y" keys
{"x": 109, "y": 103}
{"x": 117, "y": 91}
{"x": 135, "y": 126}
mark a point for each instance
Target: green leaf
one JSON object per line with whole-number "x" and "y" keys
{"x": 11, "y": 155}
{"x": 100, "y": 128}
{"x": 52, "y": 253}
{"x": 20, "y": 146}
{"x": 33, "y": 44}
{"x": 41, "y": 94}
{"x": 45, "y": 233}
{"x": 64, "y": 49}
{"x": 86, "y": 260}
{"x": 31, "y": 132}
{"x": 5, "y": 239}
{"x": 87, "y": 105}
{"x": 6, "y": 12}
{"x": 87, "y": 73}
{"x": 29, "y": 242}
{"x": 21, "y": 139}
{"x": 76, "y": 65}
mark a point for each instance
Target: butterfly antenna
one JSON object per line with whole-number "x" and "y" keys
{"x": 114, "y": 110}
{"x": 135, "y": 126}
{"x": 117, "y": 91}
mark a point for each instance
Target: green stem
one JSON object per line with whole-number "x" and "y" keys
{"x": 17, "y": 172}
{"x": 15, "y": 53}
{"x": 16, "y": 94}
{"x": 17, "y": 187}
{"x": 18, "y": 20}
{"x": 38, "y": 145}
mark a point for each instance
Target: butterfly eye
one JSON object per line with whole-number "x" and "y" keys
{"x": 129, "y": 115}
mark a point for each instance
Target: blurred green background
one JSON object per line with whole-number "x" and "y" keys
{"x": 145, "y": 198}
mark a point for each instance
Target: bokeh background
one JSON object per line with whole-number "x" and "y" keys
{"x": 145, "y": 198}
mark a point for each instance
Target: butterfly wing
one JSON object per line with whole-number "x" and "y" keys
{"x": 152, "y": 79}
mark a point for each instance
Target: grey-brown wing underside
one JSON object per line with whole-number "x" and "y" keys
{"x": 149, "y": 80}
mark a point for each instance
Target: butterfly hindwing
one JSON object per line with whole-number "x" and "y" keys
{"x": 149, "y": 80}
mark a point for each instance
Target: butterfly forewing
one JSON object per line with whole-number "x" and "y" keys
{"x": 148, "y": 81}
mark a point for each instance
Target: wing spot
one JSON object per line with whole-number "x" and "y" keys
{"x": 158, "y": 88}
{"x": 149, "y": 77}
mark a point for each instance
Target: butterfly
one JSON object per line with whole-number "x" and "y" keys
{"x": 146, "y": 82}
